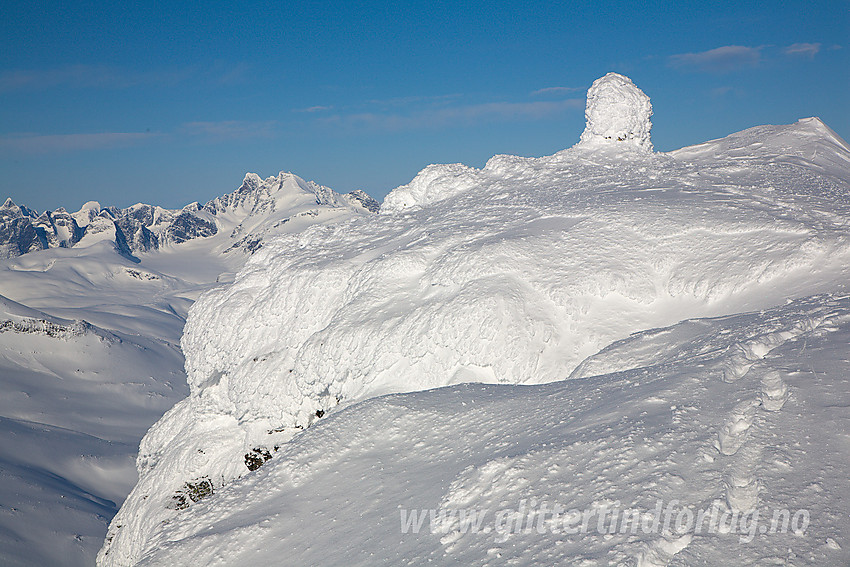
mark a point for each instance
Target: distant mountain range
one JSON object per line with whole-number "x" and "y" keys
{"x": 246, "y": 213}
{"x": 92, "y": 307}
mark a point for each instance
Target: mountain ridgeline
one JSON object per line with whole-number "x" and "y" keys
{"x": 142, "y": 228}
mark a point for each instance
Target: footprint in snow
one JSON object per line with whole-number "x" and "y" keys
{"x": 734, "y": 432}
{"x": 774, "y": 392}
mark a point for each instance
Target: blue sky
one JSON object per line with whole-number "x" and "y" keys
{"x": 168, "y": 102}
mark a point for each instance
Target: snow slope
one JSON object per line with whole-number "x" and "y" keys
{"x": 512, "y": 274}
{"x": 89, "y": 350}
{"x": 76, "y": 399}
{"x": 665, "y": 427}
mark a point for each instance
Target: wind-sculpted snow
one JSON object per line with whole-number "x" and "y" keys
{"x": 511, "y": 274}
{"x": 434, "y": 183}
{"x": 571, "y": 472}
{"x": 617, "y": 111}
{"x": 88, "y": 355}
{"x": 516, "y": 280}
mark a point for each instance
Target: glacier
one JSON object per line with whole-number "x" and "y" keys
{"x": 646, "y": 315}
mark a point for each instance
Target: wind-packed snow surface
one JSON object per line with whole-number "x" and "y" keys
{"x": 710, "y": 414}
{"x": 515, "y": 274}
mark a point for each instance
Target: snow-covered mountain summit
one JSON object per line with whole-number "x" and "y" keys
{"x": 260, "y": 206}
{"x": 510, "y": 274}
{"x": 255, "y": 209}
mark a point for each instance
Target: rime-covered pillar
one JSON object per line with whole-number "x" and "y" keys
{"x": 617, "y": 112}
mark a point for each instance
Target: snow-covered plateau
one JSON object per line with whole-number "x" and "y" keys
{"x": 606, "y": 356}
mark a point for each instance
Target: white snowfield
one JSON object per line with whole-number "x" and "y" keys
{"x": 89, "y": 357}
{"x": 525, "y": 272}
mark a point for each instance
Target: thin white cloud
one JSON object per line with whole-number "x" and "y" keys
{"x": 803, "y": 49}
{"x": 60, "y": 143}
{"x": 105, "y": 77}
{"x": 413, "y": 100}
{"x": 555, "y": 91}
{"x": 72, "y": 76}
{"x": 467, "y": 114}
{"x": 227, "y": 74}
{"x": 229, "y": 129}
{"x": 34, "y": 143}
{"x": 718, "y": 60}
{"x": 721, "y": 91}
{"x": 312, "y": 109}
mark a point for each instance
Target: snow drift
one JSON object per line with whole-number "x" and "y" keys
{"x": 665, "y": 427}
{"x": 513, "y": 273}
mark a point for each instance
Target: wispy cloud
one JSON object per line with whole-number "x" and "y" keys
{"x": 208, "y": 132}
{"x": 105, "y": 77}
{"x": 465, "y": 114}
{"x": 555, "y": 91}
{"x": 432, "y": 100}
{"x": 311, "y": 109}
{"x": 74, "y": 76}
{"x": 803, "y": 49}
{"x": 719, "y": 60}
{"x": 227, "y": 74}
{"x": 719, "y": 92}
{"x": 59, "y": 143}
{"x": 229, "y": 129}
{"x": 83, "y": 76}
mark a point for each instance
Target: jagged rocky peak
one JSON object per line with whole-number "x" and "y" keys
{"x": 18, "y": 236}
{"x": 257, "y": 206}
{"x": 10, "y": 209}
{"x": 142, "y": 213}
{"x": 66, "y": 228}
{"x": 250, "y": 187}
{"x": 258, "y": 195}
{"x": 360, "y": 197}
{"x": 251, "y": 183}
{"x": 617, "y": 112}
{"x": 100, "y": 223}
{"x": 187, "y": 225}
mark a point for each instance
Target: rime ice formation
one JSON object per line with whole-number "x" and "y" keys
{"x": 617, "y": 115}
{"x": 617, "y": 111}
{"x": 511, "y": 274}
